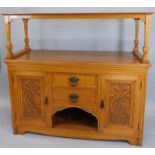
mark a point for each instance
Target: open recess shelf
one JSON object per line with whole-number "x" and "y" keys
{"x": 75, "y": 119}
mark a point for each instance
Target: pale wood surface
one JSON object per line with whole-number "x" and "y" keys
{"x": 144, "y": 16}
{"x": 145, "y": 58}
{"x": 26, "y": 40}
{"x": 57, "y": 91}
{"x": 136, "y": 41}
{"x": 87, "y": 97}
{"x": 86, "y": 81}
{"x": 112, "y": 85}
{"x": 76, "y": 126}
{"x": 80, "y": 56}
{"x": 79, "y": 15}
{"x": 9, "y": 44}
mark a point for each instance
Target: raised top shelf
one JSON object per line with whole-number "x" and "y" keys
{"x": 105, "y": 15}
{"x": 144, "y": 16}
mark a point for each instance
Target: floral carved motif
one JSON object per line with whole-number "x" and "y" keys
{"x": 31, "y": 95}
{"x": 119, "y": 103}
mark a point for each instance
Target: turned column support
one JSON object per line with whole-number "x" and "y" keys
{"x": 136, "y": 41}
{"x": 145, "y": 58}
{"x": 26, "y": 39}
{"x": 8, "y": 37}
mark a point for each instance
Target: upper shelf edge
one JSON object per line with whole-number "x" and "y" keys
{"x": 78, "y": 15}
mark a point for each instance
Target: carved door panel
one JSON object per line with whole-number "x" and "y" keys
{"x": 31, "y": 98}
{"x": 119, "y": 112}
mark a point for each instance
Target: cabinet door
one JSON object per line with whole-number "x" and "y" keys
{"x": 31, "y": 98}
{"x": 119, "y": 115}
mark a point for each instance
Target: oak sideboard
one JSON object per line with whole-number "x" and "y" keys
{"x": 79, "y": 94}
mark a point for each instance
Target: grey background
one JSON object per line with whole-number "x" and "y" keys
{"x": 111, "y": 35}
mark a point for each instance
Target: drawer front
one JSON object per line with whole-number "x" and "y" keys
{"x": 74, "y": 80}
{"x": 75, "y": 97}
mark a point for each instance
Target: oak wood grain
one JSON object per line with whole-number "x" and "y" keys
{"x": 80, "y": 56}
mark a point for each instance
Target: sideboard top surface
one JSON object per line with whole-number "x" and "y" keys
{"x": 80, "y": 57}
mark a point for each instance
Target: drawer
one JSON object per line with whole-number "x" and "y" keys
{"x": 74, "y": 80}
{"x": 75, "y": 97}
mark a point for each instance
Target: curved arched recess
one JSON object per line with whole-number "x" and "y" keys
{"x": 60, "y": 108}
{"x": 75, "y": 116}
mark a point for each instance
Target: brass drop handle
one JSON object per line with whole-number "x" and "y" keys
{"x": 46, "y": 101}
{"x": 74, "y": 81}
{"x": 74, "y": 98}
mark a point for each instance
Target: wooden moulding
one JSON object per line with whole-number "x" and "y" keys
{"x": 113, "y": 15}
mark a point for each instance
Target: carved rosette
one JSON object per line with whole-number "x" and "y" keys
{"x": 31, "y": 95}
{"x": 120, "y": 103}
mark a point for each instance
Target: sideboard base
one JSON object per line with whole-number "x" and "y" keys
{"x": 78, "y": 134}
